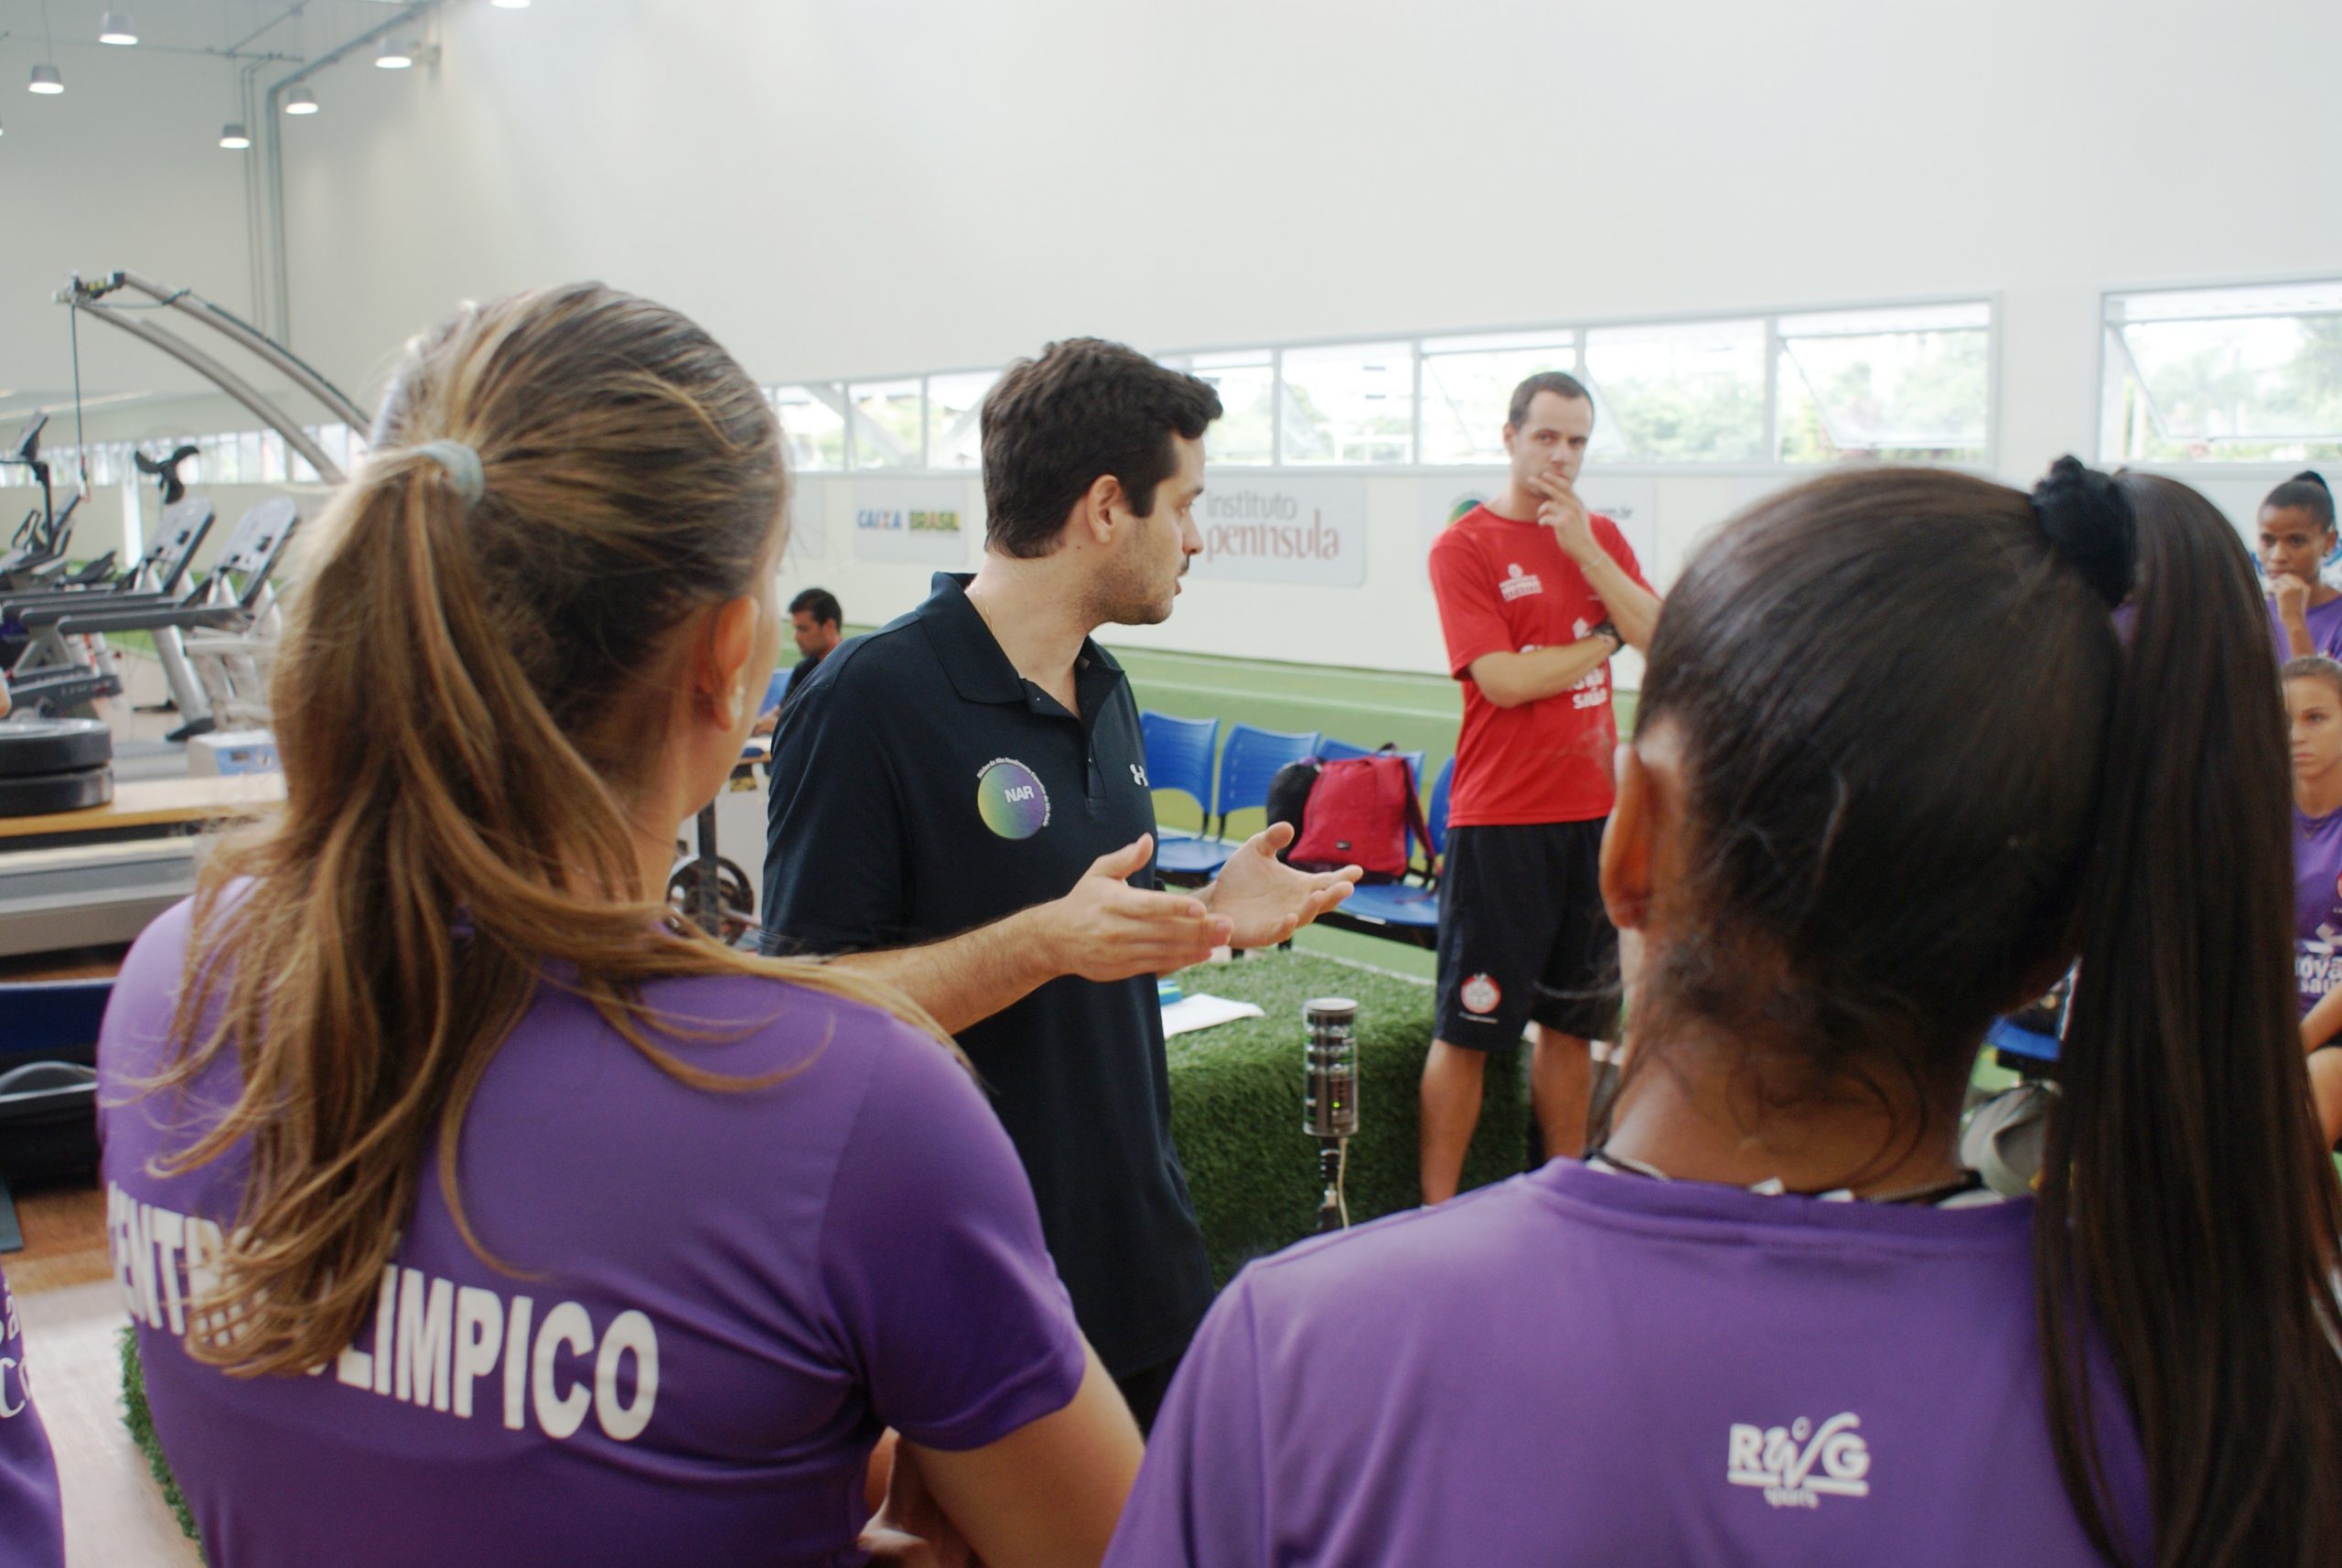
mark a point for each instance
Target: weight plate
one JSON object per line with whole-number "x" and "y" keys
{"x": 53, "y": 746}
{"x": 42, "y": 793}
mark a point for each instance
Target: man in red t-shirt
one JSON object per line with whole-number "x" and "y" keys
{"x": 1535, "y": 595}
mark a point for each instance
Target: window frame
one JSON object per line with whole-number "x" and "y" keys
{"x": 2273, "y": 469}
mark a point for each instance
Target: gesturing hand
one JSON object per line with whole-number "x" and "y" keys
{"x": 1265, "y": 900}
{"x": 1562, "y": 512}
{"x": 1105, "y": 929}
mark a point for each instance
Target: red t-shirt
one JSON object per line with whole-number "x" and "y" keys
{"x": 1505, "y": 587}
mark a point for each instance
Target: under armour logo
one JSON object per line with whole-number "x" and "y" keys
{"x": 1138, "y": 775}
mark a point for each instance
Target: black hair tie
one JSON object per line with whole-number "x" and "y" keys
{"x": 2090, "y": 526}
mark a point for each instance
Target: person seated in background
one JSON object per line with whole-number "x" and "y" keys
{"x": 1770, "y": 1319}
{"x": 815, "y": 621}
{"x": 2314, "y": 704}
{"x": 2297, "y": 539}
{"x": 471, "y": 1206}
{"x": 32, "y": 1522}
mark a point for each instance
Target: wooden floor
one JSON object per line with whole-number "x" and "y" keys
{"x": 114, "y": 1516}
{"x": 73, "y": 1317}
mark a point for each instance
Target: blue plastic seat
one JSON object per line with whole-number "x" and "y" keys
{"x": 1179, "y": 754}
{"x": 1247, "y": 763}
{"x": 51, "y": 1019}
{"x": 1438, "y": 814}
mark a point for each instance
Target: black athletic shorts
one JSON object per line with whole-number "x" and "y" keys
{"x": 1523, "y": 934}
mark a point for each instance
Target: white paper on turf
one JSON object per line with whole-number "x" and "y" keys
{"x": 1200, "y": 1012}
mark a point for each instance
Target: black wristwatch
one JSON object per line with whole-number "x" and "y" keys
{"x": 1609, "y": 629}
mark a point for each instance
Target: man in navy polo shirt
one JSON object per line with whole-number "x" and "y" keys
{"x": 960, "y": 803}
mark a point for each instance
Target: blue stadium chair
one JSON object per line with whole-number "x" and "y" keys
{"x": 775, "y": 689}
{"x": 1179, "y": 754}
{"x": 2021, "y": 1050}
{"x": 1403, "y": 912}
{"x": 48, "y": 1108}
{"x": 1438, "y": 822}
{"x": 1247, "y": 763}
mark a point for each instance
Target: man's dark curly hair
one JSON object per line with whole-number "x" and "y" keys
{"x": 1054, "y": 425}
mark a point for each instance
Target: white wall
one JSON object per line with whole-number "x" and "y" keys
{"x": 887, "y": 187}
{"x": 122, "y": 169}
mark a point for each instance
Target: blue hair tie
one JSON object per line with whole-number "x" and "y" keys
{"x": 462, "y": 464}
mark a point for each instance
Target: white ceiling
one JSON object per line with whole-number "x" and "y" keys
{"x": 256, "y": 26}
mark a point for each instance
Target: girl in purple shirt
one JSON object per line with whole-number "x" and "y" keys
{"x": 471, "y": 1207}
{"x": 32, "y": 1523}
{"x": 2313, "y": 706}
{"x": 1893, "y": 771}
{"x": 2297, "y": 538}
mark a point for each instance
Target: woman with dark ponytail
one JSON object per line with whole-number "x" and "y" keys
{"x": 471, "y": 1207}
{"x": 2297, "y": 538}
{"x": 1895, "y": 770}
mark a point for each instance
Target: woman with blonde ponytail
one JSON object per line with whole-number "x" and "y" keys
{"x": 471, "y": 1207}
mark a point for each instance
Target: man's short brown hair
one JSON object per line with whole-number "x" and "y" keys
{"x": 1560, "y": 384}
{"x": 1084, "y": 408}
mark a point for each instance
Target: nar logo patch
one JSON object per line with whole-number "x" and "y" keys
{"x": 1010, "y": 799}
{"x": 1782, "y": 1461}
{"x": 1520, "y": 585}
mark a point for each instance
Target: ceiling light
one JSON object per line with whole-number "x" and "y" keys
{"x": 117, "y": 29}
{"x": 46, "y": 80}
{"x": 300, "y": 101}
{"x": 394, "y": 56}
{"x": 232, "y": 137}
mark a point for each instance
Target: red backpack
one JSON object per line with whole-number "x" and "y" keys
{"x": 1360, "y": 813}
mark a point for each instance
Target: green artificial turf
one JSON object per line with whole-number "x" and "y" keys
{"x": 1236, "y": 1104}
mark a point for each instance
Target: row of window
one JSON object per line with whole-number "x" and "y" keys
{"x": 1913, "y": 382}
{"x": 2224, "y": 374}
{"x": 2250, "y": 374}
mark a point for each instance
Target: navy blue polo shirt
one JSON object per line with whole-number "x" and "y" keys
{"x": 922, "y": 787}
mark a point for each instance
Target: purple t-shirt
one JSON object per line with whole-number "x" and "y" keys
{"x": 722, "y": 1297}
{"x": 1578, "y": 1367}
{"x": 32, "y": 1528}
{"x": 2325, "y": 622}
{"x": 2318, "y": 904}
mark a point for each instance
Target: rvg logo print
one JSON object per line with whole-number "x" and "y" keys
{"x": 1781, "y": 1460}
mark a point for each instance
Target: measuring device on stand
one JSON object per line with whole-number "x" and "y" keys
{"x": 1329, "y": 1095}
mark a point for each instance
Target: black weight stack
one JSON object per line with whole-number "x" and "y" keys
{"x": 54, "y": 765}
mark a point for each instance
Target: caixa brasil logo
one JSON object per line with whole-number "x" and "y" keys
{"x": 1782, "y": 1461}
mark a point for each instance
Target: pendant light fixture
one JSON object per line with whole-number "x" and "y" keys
{"x": 45, "y": 77}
